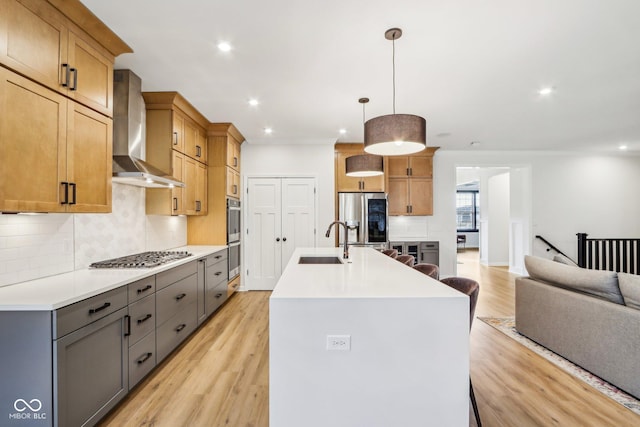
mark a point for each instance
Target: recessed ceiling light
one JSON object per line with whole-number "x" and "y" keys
{"x": 224, "y": 46}
{"x": 342, "y": 131}
{"x": 622, "y": 147}
{"x": 253, "y": 102}
{"x": 545, "y": 91}
{"x": 268, "y": 131}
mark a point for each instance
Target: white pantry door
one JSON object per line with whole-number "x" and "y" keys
{"x": 280, "y": 218}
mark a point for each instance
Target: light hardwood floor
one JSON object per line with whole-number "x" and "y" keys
{"x": 219, "y": 377}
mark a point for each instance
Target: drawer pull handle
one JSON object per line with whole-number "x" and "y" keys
{"x": 181, "y": 327}
{"x": 218, "y": 295}
{"x": 128, "y": 333}
{"x": 218, "y": 256}
{"x": 217, "y": 273}
{"x": 179, "y": 297}
{"x": 235, "y": 285}
{"x": 102, "y": 307}
{"x": 144, "y": 319}
{"x": 144, "y": 358}
{"x": 146, "y": 288}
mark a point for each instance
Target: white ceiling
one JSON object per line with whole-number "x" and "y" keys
{"x": 472, "y": 68}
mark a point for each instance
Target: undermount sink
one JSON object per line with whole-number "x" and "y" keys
{"x": 319, "y": 260}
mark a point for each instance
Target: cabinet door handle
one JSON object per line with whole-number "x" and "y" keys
{"x": 126, "y": 334}
{"x": 175, "y": 138}
{"x": 198, "y": 151}
{"x": 145, "y": 289}
{"x": 75, "y": 78}
{"x": 198, "y": 206}
{"x": 410, "y": 208}
{"x": 145, "y": 318}
{"x": 65, "y": 70}
{"x": 181, "y": 327}
{"x": 218, "y": 295}
{"x": 73, "y": 192}
{"x": 179, "y": 297}
{"x": 410, "y": 171}
{"x": 65, "y": 198}
{"x": 175, "y": 203}
{"x": 284, "y": 239}
{"x": 235, "y": 161}
{"x": 277, "y": 239}
{"x": 144, "y": 358}
{"x": 102, "y": 307}
{"x": 235, "y": 189}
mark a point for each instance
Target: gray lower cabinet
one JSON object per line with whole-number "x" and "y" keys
{"x": 142, "y": 338}
{"x": 176, "y": 307}
{"x": 91, "y": 360}
{"x": 216, "y": 278}
{"x": 71, "y": 366}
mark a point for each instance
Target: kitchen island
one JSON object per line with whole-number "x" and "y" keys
{"x": 367, "y": 342}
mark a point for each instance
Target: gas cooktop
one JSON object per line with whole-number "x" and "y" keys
{"x": 142, "y": 260}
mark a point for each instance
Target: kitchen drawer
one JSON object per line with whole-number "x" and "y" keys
{"x": 215, "y": 297}
{"x": 217, "y": 257}
{"x": 143, "y": 318}
{"x": 173, "y": 298}
{"x": 142, "y": 358}
{"x": 216, "y": 273}
{"x": 168, "y": 277}
{"x": 141, "y": 288}
{"x": 233, "y": 286}
{"x": 172, "y": 332}
{"x": 75, "y": 316}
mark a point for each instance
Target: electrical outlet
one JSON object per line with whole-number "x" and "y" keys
{"x": 339, "y": 342}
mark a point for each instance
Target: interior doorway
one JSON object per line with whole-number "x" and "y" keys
{"x": 493, "y": 213}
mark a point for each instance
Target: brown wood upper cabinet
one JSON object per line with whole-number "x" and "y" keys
{"x": 346, "y": 183}
{"x": 177, "y": 144}
{"x": 174, "y": 124}
{"x": 43, "y": 44}
{"x": 410, "y": 183}
{"x": 56, "y": 153}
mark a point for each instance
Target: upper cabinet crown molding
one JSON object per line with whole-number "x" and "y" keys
{"x": 173, "y": 100}
{"x": 78, "y": 13}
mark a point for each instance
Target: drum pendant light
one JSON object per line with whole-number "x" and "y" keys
{"x": 363, "y": 165}
{"x": 395, "y": 134}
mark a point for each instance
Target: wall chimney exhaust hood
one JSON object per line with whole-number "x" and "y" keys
{"x": 129, "y": 117}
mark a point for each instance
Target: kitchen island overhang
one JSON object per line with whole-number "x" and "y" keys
{"x": 368, "y": 342}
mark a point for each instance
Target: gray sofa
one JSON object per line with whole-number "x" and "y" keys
{"x": 591, "y": 318}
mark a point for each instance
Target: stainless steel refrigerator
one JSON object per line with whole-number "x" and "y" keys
{"x": 367, "y": 218}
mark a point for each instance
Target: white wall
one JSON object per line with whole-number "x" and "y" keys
{"x": 497, "y": 214}
{"x": 315, "y": 160}
{"x": 571, "y": 193}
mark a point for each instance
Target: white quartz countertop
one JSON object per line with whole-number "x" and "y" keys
{"x": 366, "y": 274}
{"x": 51, "y": 293}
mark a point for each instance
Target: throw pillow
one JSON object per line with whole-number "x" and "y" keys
{"x": 601, "y": 284}
{"x": 630, "y": 289}
{"x": 564, "y": 260}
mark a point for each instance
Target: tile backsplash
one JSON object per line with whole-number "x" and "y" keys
{"x": 34, "y": 246}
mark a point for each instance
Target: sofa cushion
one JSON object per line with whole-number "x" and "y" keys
{"x": 564, "y": 260}
{"x": 601, "y": 284}
{"x": 630, "y": 289}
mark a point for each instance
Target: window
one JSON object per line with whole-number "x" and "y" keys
{"x": 467, "y": 210}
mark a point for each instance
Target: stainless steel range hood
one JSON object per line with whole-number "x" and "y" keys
{"x": 129, "y": 119}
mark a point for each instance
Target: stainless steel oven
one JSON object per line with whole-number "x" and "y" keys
{"x": 233, "y": 220}
{"x": 234, "y": 259}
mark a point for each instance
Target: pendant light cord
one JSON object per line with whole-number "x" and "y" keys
{"x": 393, "y": 61}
